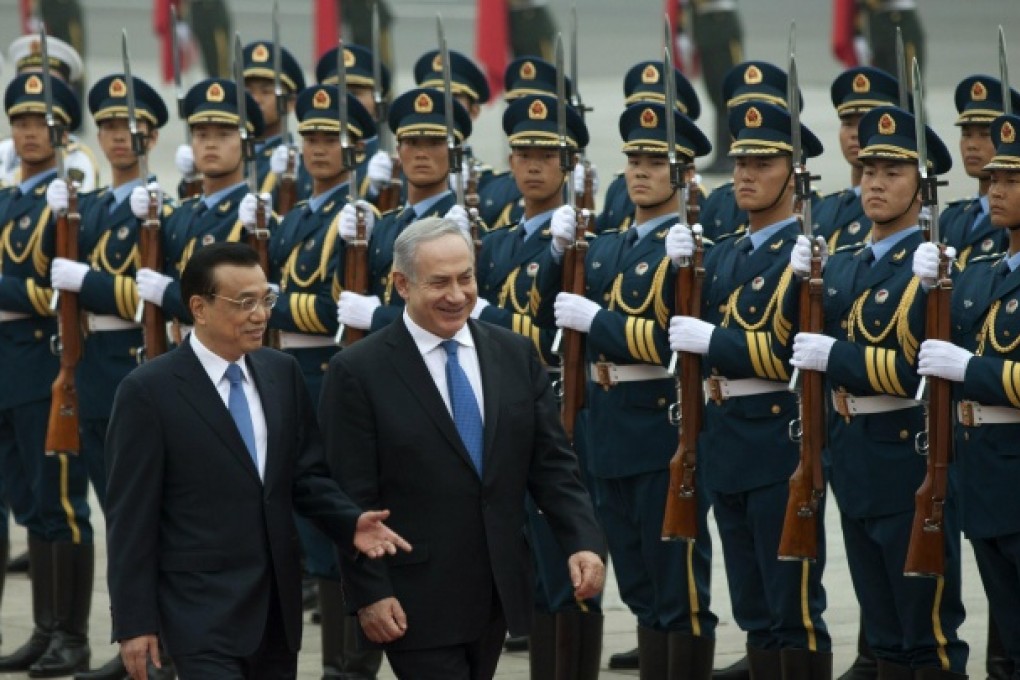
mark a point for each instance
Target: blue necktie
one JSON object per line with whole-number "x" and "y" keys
{"x": 466, "y": 415}
{"x": 238, "y": 405}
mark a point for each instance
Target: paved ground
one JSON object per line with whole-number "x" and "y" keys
{"x": 616, "y": 34}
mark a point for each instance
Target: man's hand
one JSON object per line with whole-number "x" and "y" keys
{"x": 136, "y": 652}
{"x": 67, "y": 274}
{"x": 279, "y": 159}
{"x": 941, "y": 359}
{"x": 347, "y": 224}
{"x": 800, "y": 256}
{"x": 57, "y": 197}
{"x": 356, "y": 310}
{"x": 184, "y": 160}
{"x": 563, "y": 228}
{"x": 578, "y": 178}
{"x": 811, "y": 351}
{"x": 375, "y": 539}
{"x": 383, "y": 621}
{"x": 587, "y": 573}
{"x": 139, "y": 199}
{"x": 459, "y": 216}
{"x": 248, "y": 211}
{"x": 152, "y": 285}
{"x": 679, "y": 243}
{"x": 688, "y": 334}
{"x": 575, "y": 312}
{"x": 379, "y": 171}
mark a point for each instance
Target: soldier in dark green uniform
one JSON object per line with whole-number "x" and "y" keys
{"x": 532, "y": 28}
{"x": 418, "y": 122}
{"x": 306, "y": 263}
{"x": 356, "y": 19}
{"x": 744, "y": 334}
{"x": 839, "y": 217}
{"x": 983, "y": 361}
{"x": 48, "y": 493}
{"x": 874, "y": 323}
{"x": 210, "y": 23}
{"x": 629, "y": 285}
{"x": 882, "y": 18}
{"x": 966, "y": 224}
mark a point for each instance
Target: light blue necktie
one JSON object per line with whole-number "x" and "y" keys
{"x": 238, "y": 405}
{"x": 466, "y": 415}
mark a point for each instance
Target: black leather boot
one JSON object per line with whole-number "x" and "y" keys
{"x": 68, "y": 651}
{"x": 998, "y": 665}
{"x": 738, "y": 670}
{"x": 542, "y": 646}
{"x": 937, "y": 674}
{"x": 624, "y": 661}
{"x": 893, "y": 671}
{"x": 111, "y": 670}
{"x": 765, "y": 664}
{"x": 41, "y": 560}
{"x": 653, "y": 653}
{"x": 690, "y": 657}
{"x": 803, "y": 664}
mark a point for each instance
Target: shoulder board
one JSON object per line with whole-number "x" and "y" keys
{"x": 395, "y": 211}
{"x": 967, "y": 200}
{"x": 613, "y": 230}
{"x": 991, "y": 258}
{"x": 851, "y": 247}
{"x": 733, "y": 234}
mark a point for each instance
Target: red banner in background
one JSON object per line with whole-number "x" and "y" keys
{"x": 843, "y": 18}
{"x": 325, "y": 26}
{"x": 492, "y": 36}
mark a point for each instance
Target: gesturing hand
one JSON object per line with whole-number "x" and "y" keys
{"x": 375, "y": 539}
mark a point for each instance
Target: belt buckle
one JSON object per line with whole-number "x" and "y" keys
{"x": 841, "y": 402}
{"x": 714, "y": 386}
{"x": 603, "y": 376}
{"x": 967, "y": 413}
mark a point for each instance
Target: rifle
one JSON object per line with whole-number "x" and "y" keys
{"x": 191, "y": 184}
{"x": 62, "y": 435}
{"x": 355, "y": 252}
{"x": 587, "y": 200}
{"x": 258, "y": 238}
{"x": 389, "y": 196}
{"x": 799, "y": 540}
{"x": 287, "y": 191}
{"x": 454, "y": 150}
{"x": 926, "y": 551}
{"x": 150, "y": 246}
{"x": 680, "y": 516}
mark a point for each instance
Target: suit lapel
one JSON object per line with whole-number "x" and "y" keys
{"x": 488, "y": 362}
{"x": 268, "y": 389}
{"x": 201, "y": 395}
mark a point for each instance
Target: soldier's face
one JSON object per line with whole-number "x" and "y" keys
{"x": 848, "y": 142}
{"x": 424, "y": 160}
{"x": 976, "y": 149}
{"x": 263, "y": 92}
{"x": 442, "y": 291}
{"x": 1004, "y": 198}
{"x": 321, "y": 154}
{"x": 31, "y": 138}
{"x": 537, "y": 172}
{"x": 115, "y": 140}
{"x": 758, "y": 182}
{"x": 647, "y": 178}
{"x": 217, "y": 148}
{"x": 887, "y": 190}
{"x": 222, "y": 325}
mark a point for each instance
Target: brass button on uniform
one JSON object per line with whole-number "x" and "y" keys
{"x": 904, "y": 434}
{"x": 661, "y": 401}
{"x": 776, "y": 410}
{"x": 38, "y": 335}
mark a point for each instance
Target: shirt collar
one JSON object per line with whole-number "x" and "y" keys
{"x": 316, "y": 202}
{"x": 427, "y": 341}
{"x": 881, "y": 248}
{"x": 648, "y": 227}
{"x": 213, "y": 200}
{"x": 760, "y": 237}
{"x": 983, "y": 200}
{"x": 530, "y": 226}
{"x": 215, "y": 365}
{"x": 1013, "y": 262}
{"x": 35, "y": 180}
{"x": 120, "y": 193}
{"x": 856, "y": 190}
{"x": 422, "y": 207}
{"x": 262, "y": 144}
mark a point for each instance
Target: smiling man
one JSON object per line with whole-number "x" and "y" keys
{"x": 449, "y": 421}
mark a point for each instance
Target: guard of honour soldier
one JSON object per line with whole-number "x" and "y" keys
{"x": 877, "y": 270}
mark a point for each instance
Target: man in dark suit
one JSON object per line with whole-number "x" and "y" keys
{"x": 211, "y": 448}
{"x": 450, "y": 421}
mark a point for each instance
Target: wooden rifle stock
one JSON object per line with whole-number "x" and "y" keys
{"x": 62, "y": 428}
{"x": 259, "y": 241}
{"x": 287, "y": 191}
{"x": 799, "y": 540}
{"x": 573, "y": 375}
{"x": 389, "y": 196}
{"x": 926, "y": 551}
{"x": 680, "y": 518}
{"x": 356, "y": 270}
{"x": 191, "y": 186}
{"x": 150, "y": 248}
{"x": 472, "y": 201}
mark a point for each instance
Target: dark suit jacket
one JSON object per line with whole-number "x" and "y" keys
{"x": 392, "y": 444}
{"x": 194, "y": 537}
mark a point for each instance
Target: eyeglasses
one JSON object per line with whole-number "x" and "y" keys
{"x": 248, "y": 304}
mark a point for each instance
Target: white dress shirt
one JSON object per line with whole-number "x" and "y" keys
{"x": 434, "y": 355}
{"x": 216, "y": 367}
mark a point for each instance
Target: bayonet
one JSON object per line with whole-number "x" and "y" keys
{"x": 901, "y": 72}
{"x": 55, "y": 127}
{"x": 378, "y": 96}
{"x": 281, "y": 94}
{"x": 1007, "y": 93}
{"x": 566, "y": 160}
{"x": 247, "y": 143}
{"x": 137, "y": 137}
{"x": 575, "y": 96}
{"x": 675, "y": 170}
{"x": 178, "y": 87}
{"x": 348, "y": 153}
{"x": 453, "y": 148}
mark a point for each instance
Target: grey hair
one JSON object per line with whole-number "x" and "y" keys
{"x": 405, "y": 248}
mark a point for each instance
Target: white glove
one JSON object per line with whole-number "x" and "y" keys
{"x": 679, "y": 243}
{"x": 355, "y": 310}
{"x": 278, "y": 161}
{"x": 184, "y": 160}
{"x": 800, "y": 256}
{"x": 579, "y": 178}
{"x": 687, "y": 334}
{"x": 941, "y": 359}
{"x": 862, "y": 50}
{"x": 247, "y": 212}
{"x": 563, "y": 228}
{"x": 67, "y": 274}
{"x": 926, "y": 263}
{"x": 139, "y": 199}
{"x": 465, "y": 174}
{"x": 152, "y": 285}
{"x": 379, "y": 171}
{"x": 575, "y": 312}
{"x": 480, "y": 304}
{"x": 811, "y": 351}
{"x": 56, "y": 196}
{"x": 685, "y": 48}
{"x": 347, "y": 225}
{"x": 459, "y": 216}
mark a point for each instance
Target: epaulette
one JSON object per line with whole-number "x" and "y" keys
{"x": 851, "y": 247}
{"x": 612, "y": 230}
{"x": 991, "y": 258}
{"x": 300, "y": 203}
{"x": 737, "y": 233}
{"x": 398, "y": 209}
